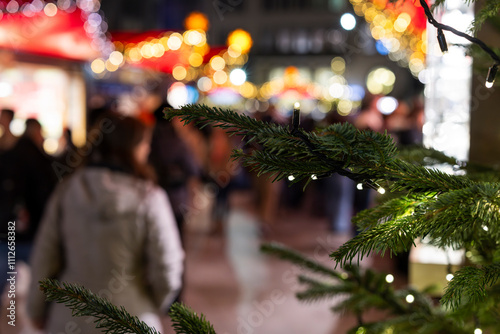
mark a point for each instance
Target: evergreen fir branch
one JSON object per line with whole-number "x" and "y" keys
{"x": 392, "y": 235}
{"x": 396, "y": 207}
{"x": 317, "y": 293}
{"x": 413, "y": 323}
{"x": 110, "y": 318}
{"x": 186, "y": 321}
{"x": 225, "y": 119}
{"x": 456, "y": 218}
{"x": 410, "y": 178}
{"x": 288, "y": 254}
{"x": 420, "y": 155}
{"x": 470, "y": 284}
{"x": 363, "y": 156}
{"x": 489, "y": 9}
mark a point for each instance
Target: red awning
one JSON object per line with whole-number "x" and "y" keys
{"x": 169, "y": 59}
{"x": 62, "y": 35}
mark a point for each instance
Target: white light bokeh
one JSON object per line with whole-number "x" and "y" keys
{"x": 237, "y": 77}
{"x": 348, "y": 21}
{"x": 387, "y": 104}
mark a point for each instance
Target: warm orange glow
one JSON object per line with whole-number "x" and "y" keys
{"x": 240, "y": 38}
{"x": 196, "y": 20}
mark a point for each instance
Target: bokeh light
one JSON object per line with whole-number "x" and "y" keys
{"x": 237, "y": 77}
{"x": 380, "y": 81}
{"x": 98, "y": 66}
{"x": 348, "y": 21}
{"x": 196, "y": 20}
{"x": 387, "y": 104}
{"x": 241, "y": 38}
{"x": 179, "y": 72}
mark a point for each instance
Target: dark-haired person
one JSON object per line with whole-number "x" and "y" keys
{"x": 110, "y": 228}
{"x": 7, "y": 138}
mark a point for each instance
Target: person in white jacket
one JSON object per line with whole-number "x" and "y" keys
{"x": 109, "y": 228}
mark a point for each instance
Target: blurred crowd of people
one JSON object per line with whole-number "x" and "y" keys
{"x": 112, "y": 215}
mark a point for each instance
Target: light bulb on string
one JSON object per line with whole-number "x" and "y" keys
{"x": 442, "y": 41}
{"x": 490, "y": 78}
{"x": 296, "y": 115}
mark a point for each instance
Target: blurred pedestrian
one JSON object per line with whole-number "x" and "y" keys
{"x": 7, "y": 138}
{"x": 175, "y": 166}
{"x": 110, "y": 228}
{"x": 7, "y": 172}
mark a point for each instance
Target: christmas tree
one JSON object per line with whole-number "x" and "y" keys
{"x": 454, "y": 211}
{"x": 446, "y": 210}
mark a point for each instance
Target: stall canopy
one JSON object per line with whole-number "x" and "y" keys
{"x": 161, "y": 57}
{"x": 44, "y": 29}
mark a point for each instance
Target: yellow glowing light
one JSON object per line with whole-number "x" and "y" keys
{"x": 380, "y": 80}
{"x": 402, "y": 22}
{"x": 344, "y": 107}
{"x": 217, "y": 63}
{"x": 338, "y": 65}
{"x": 379, "y": 20}
{"x": 370, "y": 14}
{"x": 196, "y": 20}
{"x": 50, "y": 145}
{"x": 110, "y": 66}
{"x": 195, "y": 59}
{"x": 220, "y": 77}
{"x": 157, "y": 50}
{"x": 193, "y": 37}
{"x": 241, "y": 38}
{"x": 146, "y": 51}
{"x": 374, "y": 87}
{"x": 410, "y": 298}
{"x": 175, "y": 41}
{"x": 389, "y": 278}
{"x": 234, "y": 50}
{"x": 134, "y": 54}
{"x": 201, "y": 49}
{"x": 98, "y": 66}
{"x": 116, "y": 58}
{"x": 248, "y": 90}
{"x": 179, "y": 73}
{"x": 164, "y": 42}
{"x": 377, "y": 32}
{"x": 416, "y": 65}
{"x": 50, "y": 9}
